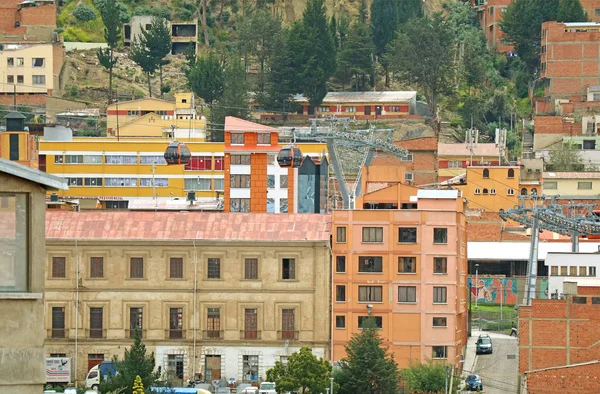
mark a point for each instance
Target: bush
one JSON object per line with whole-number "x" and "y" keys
{"x": 84, "y": 13}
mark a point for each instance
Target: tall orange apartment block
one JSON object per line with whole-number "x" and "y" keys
{"x": 569, "y": 59}
{"x": 489, "y": 13}
{"x": 404, "y": 267}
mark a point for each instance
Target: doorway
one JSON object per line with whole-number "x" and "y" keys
{"x": 212, "y": 368}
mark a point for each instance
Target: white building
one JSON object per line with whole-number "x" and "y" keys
{"x": 570, "y": 267}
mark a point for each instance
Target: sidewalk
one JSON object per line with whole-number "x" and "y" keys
{"x": 469, "y": 364}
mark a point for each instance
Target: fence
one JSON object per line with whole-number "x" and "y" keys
{"x": 494, "y": 319}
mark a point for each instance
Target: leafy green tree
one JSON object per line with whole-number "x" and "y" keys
{"x": 570, "y": 11}
{"x": 121, "y": 9}
{"x": 313, "y": 48}
{"x": 368, "y": 367}
{"x": 384, "y": 22}
{"x": 84, "y": 13}
{"x": 113, "y": 25}
{"x": 304, "y": 371}
{"x": 206, "y": 78}
{"x": 136, "y": 363}
{"x": 425, "y": 378}
{"x": 565, "y": 157}
{"x": 424, "y": 55}
{"x": 355, "y": 58}
{"x": 234, "y": 101}
{"x": 409, "y": 9}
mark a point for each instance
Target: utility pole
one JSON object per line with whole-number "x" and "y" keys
{"x": 154, "y": 188}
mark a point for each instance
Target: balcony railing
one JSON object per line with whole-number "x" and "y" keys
{"x": 246, "y": 334}
{"x": 58, "y": 333}
{"x": 130, "y": 333}
{"x": 288, "y": 335}
{"x": 212, "y": 334}
{"x": 96, "y": 333}
{"x": 175, "y": 333}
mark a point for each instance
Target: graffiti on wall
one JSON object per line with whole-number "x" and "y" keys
{"x": 503, "y": 290}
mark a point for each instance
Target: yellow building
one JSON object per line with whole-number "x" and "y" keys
{"x": 28, "y": 68}
{"x": 572, "y": 185}
{"x": 491, "y": 188}
{"x": 217, "y": 294}
{"x": 152, "y": 117}
{"x": 453, "y": 159}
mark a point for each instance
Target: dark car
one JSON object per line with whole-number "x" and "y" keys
{"x": 474, "y": 383}
{"x": 484, "y": 344}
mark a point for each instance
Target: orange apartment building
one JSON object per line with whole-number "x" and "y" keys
{"x": 569, "y": 59}
{"x": 558, "y": 344}
{"x": 453, "y": 159}
{"x": 406, "y": 268}
{"x": 489, "y": 13}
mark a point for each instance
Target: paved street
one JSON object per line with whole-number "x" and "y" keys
{"x": 498, "y": 373}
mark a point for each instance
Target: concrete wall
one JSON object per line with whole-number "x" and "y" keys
{"x": 22, "y": 330}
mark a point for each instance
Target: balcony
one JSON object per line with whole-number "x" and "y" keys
{"x": 288, "y": 335}
{"x": 212, "y": 334}
{"x": 95, "y": 333}
{"x": 130, "y": 333}
{"x": 175, "y": 333}
{"x": 58, "y": 333}
{"x": 246, "y": 334}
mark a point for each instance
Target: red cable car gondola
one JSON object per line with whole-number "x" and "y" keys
{"x": 177, "y": 153}
{"x": 289, "y": 156}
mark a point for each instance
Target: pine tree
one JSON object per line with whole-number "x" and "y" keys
{"x": 111, "y": 17}
{"x": 409, "y": 9}
{"x": 158, "y": 41}
{"x": 206, "y": 78}
{"x": 355, "y": 59}
{"x": 384, "y": 22}
{"x": 334, "y": 32}
{"x": 281, "y": 80}
{"x": 140, "y": 54}
{"x": 368, "y": 367}
{"x": 138, "y": 386}
{"x": 234, "y": 102}
{"x": 570, "y": 11}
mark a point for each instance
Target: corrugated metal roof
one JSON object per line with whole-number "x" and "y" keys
{"x": 236, "y": 124}
{"x": 51, "y": 182}
{"x": 571, "y": 175}
{"x": 364, "y": 97}
{"x": 171, "y": 226}
{"x": 438, "y": 194}
{"x": 463, "y": 150}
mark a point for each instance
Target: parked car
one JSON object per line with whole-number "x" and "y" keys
{"x": 484, "y": 344}
{"x": 474, "y": 383}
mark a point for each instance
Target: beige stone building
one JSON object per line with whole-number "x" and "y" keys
{"x": 22, "y": 213}
{"x": 222, "y": 295}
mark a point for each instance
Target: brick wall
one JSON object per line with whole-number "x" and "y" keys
{"x": 555, "y": 125}
{"x": 590, "y": 7}
{"x": 36, "y": 23}
{"x": 24, "y": 99}
{"x": 568, "y": 380}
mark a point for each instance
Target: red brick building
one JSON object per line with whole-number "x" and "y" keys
{"x": 31, "y": 21}
{"x": 558, "y": 341}
{"x": 592, "y": 9}
{"x": 490, "y": 13}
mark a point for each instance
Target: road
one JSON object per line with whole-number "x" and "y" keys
{"x": 498, "y": 373}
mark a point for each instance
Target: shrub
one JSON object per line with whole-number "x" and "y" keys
{"x": 84, "y": 13}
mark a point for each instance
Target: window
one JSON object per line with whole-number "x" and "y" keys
{"x": 250, "y": 268}
{"x": 92, "y": 159}
{"x": 288, "y": 324}
{"x": 370, "y": 293}
{"x": 197, "y": 184}
{"x": 240, "y": 160}
{"x": 20, "y": 79}
{"x": 340, "y": 264}
{"x": 271, "y": 181}
{"x": 59, "y": 267}
{"x": 58, "y": 159}
{"x": 377, "y": 319}
{"x": 288, "y": 268}
{"x": 340, "y": 293}
{"x": 584, "y": 185}
{"x": 589, "y": 144}
{"x": 283, "y": 205}
{"x": 485, "y": 191}
{"x": 20, "y": 61}
{"x": 156, "y": 182}
{"x": 270, "y": 205}
{"x": 74, "y": 159}
{"x": 10, "y": 61}
{"x": 408, "y": 176}
{"x": 219, "y": 184}
{"x": 239, "y": 181}
{"x": 572, "y": 270}
{"x": 38, "y": 79}
{"x": 120, "y": 159}
{"x": 597, "y": 11}
{"x": 96, "y": 267}
{"x": 550, "y": 185}
{"x": 440, "y": 265}
{"x": 199, "y": 163}
{"x": 75, "y": 181}
{"x": 439, "y": 295}
{"x": 283, "y": 181}
{"x": 175, "y": 323}
{"x": 554, "y": 270}
{"x": 407, "y": 235}
{"x": 213, "y": 323}
{"x": 340, "y": 322}
{"x": 510, "y": 192}
{"x": 153, "y": 160}
{"x": 477, "y": 191}
{"x": 440, "y": 235}
{"x": 582, "y": 271}
{"x": 372, "y": 234}
{"x": 511, "y": 173}
{"x": 136, "y": 268}
{"x": 120, "y": 182}
{"x": 135, "y": 321}
{"x": 219, "y": 163}
{"x": 455, "y": 164}
{"x": 439, "y": 352}
{"x": 58, "y": 322}
{"x": 117, "y": 204}
{"x": 133, "y": 113}
{"x": 96, "y": 321}
{"x": 37, "y": 62}
{"x": 341, "y": 235}
{"x": 239, "y": 205}
{"x": 592, "y": 271}
{"x": 439, "y": 322}
{"x": 214, "y": 268}
{"x": 486, "y": 173}
{"x": 350, "y": 109}
{"x": 394, "y": 108}
{"x": 323, "y": 108}
{"x": 95, "y": 182}
{"x": 492, "y": 191}
{"x": 10, "y": 79}
{"x": 264, "y": 138}
{"x": 563, "y": 270}
{"x": 237, "y": 138}
{"x": 176, "y": 268}
{"x": 407, "y": 265}
{"x": 408, "y": 157}
{"x": 250, "y": 324}
{"x": 579, "y": 300}
{"x": 407, "y": 294}
{"x": 370, "y": 264}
